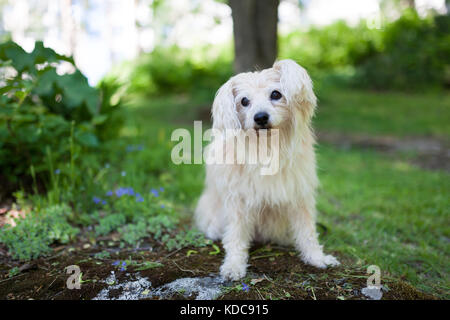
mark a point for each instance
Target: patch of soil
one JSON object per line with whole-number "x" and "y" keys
{"x": 274, "y": 273}
{"x": 429, "y": 153}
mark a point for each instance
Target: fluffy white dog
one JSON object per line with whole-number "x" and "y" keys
{"x": 239, "y": 204}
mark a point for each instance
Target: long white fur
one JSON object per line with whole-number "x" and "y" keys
{"x": 239, "y": 205}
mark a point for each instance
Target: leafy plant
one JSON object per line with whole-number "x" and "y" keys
{"x": 176, "y": 70}
{"x": 43, "y": 110}
{"x": 132, "y": 233}
{"x": 410, "y": 52}
{"x": 331, "y": 47}
{"x": 415, "y": 53}
{"x": 33, "y": 235}
{"x": 102, "y": 255}
{"x": 186, "y": 238}
{"x": 13, "y": 272}
{"x": 110, "y": 223}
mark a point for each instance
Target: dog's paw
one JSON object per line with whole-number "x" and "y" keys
{"x": 320, "y": 260}
{"x": 233, "y": 271}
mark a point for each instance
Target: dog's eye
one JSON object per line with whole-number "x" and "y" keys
{"x": 245, "y": 102}
{"x": 275, "y": 95}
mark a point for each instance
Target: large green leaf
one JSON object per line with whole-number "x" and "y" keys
{"x": 78, "y": 92}
{"x": 87, "y": 139}
{"x": 46, "y": 82}
{"x": 21, "y": 60}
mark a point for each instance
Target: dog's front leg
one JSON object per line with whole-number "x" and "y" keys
{"x": 307, "y": 242}
{"x": 236, "y": 241}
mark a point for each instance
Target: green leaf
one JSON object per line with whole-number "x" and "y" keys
{"x": 46, "y": 81}
{"x": 87, "y": 139}
{"x": 216, "y": 251}
{"x": 21, "y": 60}
{"x": 149, "y": 265}
{"x": 97, "y": 120}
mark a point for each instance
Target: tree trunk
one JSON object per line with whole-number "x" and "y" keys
{"x": 411, "y": 4}
{"x": 255, "y": 33}
{"x": 139, "y": 50}
{"x": 68, "y": 26}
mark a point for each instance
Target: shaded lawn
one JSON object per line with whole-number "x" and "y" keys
{"x": 386, "y": 212}
{"x": 341, "y": 110}
{"x": 383, "y": 113}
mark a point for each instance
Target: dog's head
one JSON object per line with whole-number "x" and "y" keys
{"x": 272, "y": 98}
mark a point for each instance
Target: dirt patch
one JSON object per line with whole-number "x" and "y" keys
{"x": 428, "y": 153}
{"x": 274, "y": 273}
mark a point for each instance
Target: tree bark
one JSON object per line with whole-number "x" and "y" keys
{"x": 411, "y": 4}
{"x": 255, "y": 33}
{"x": 68, "y": 26}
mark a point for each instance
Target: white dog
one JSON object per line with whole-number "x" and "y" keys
{"x": 239, "y": 204}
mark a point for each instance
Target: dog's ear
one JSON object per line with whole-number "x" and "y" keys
{"x": 224, "y": 111}
{"x": 297, "y": 87}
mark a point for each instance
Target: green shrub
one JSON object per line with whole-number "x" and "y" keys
{"x": 43, "y": 111}
{"x": 334, "y": 46}
{"x": 415, "y": 53}
{"x": 33, "y": 235}
{"x": 177, "y": 70}
{"x": 408, "y": 53}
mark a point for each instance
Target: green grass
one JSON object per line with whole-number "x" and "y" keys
{"x": 377, "y": 209}
{"x": 383, "y": 113}
{"x": 388, "y": 213}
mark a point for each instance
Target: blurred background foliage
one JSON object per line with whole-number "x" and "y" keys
{"x": 407, "y": 54}
{"x": 175, "y": 70}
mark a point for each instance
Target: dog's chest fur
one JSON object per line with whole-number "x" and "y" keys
{"x": 295, "y": 180}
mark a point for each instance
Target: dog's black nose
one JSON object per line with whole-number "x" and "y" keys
{"x": 261, "y": 118}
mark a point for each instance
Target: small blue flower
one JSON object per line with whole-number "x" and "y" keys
{"x": 154, "y": 192}
{"x": 109, "y": 193}
{"x": 121, "y": 191}
{"x": 57, "y": 171}
{"x": 103, "y": 202}
{"x": 123, "y": 173}
{"x": 161, "y": 189}
{"x": 163, "y": 206}
{"x": 122, "y": 269}
{"x": 96, "y": 200}
{"x": 245, "y": 287}
{"x": 107, "y": 166}
{"x": 130, "y": 191}
{"x": 139, "y": 198}
{"x": 124, "y": 264}
{"x": 116, "y": 263}
{"x": 139, "y": 147}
